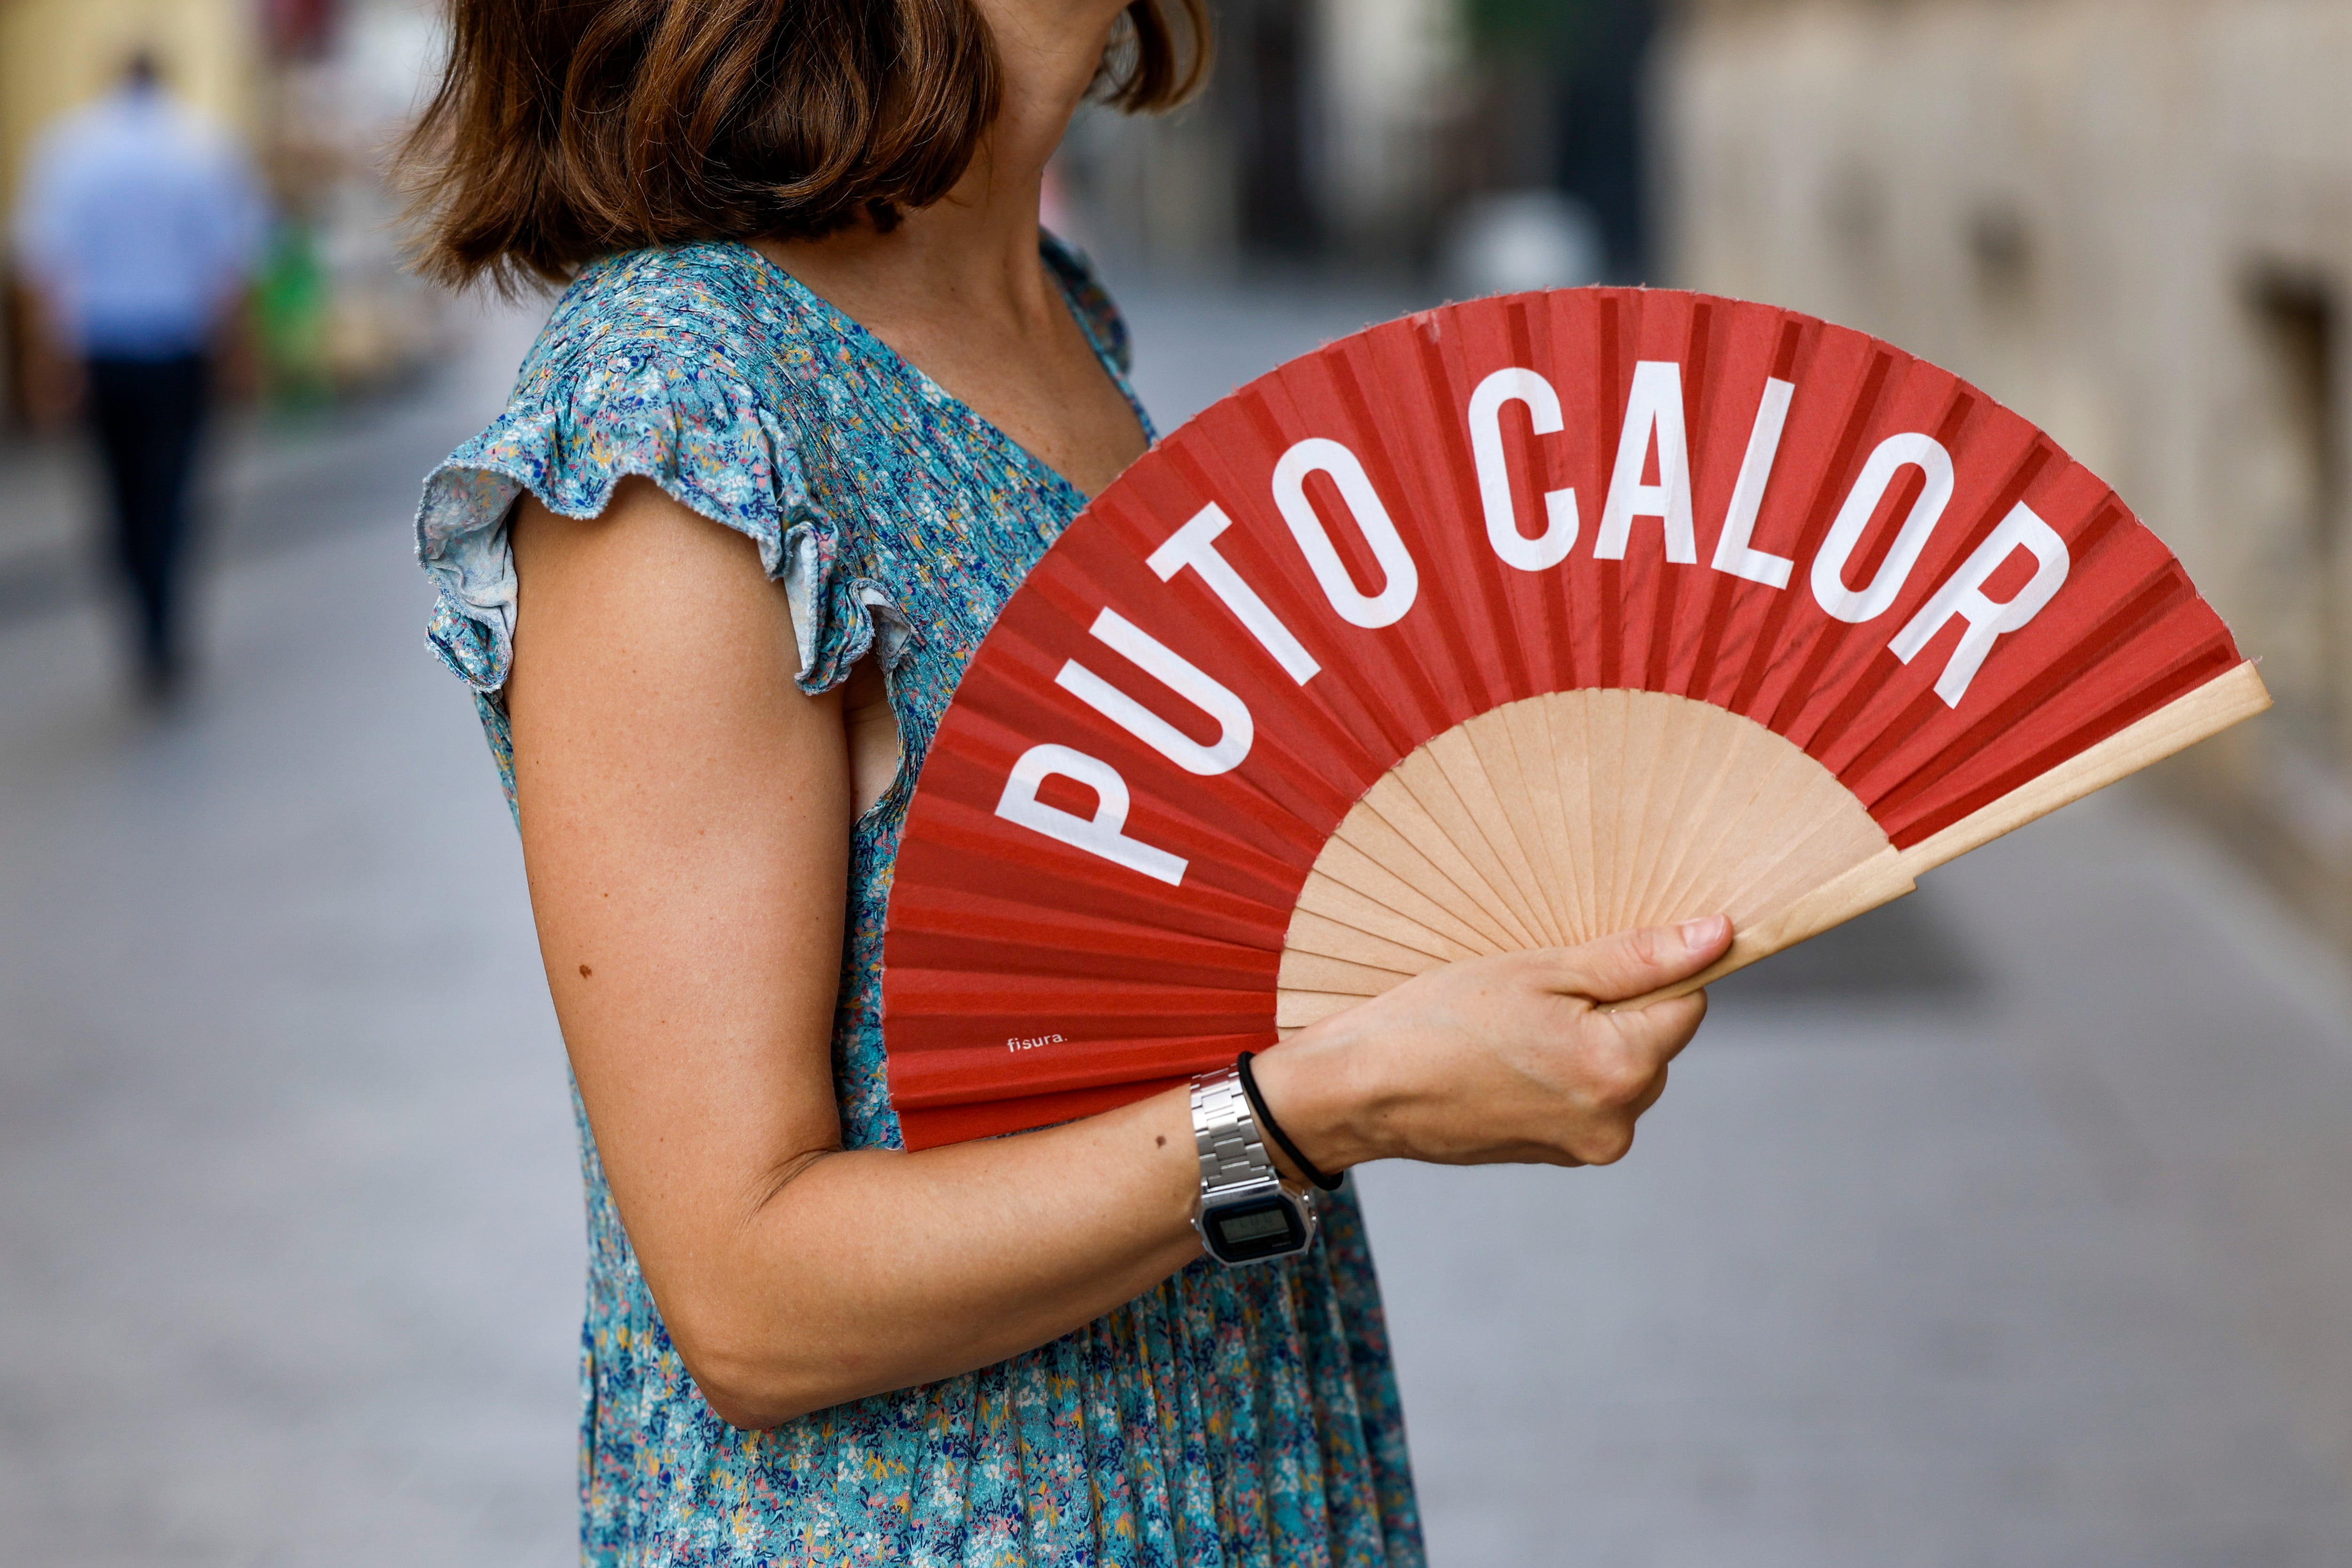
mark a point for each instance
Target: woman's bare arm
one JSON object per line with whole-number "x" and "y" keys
{"x": 685, "y": 818}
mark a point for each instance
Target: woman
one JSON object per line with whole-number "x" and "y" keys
{"x": 817, "y": 396}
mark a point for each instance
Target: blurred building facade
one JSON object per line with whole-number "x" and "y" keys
{"x": 2131, "y": 220}
{"x": 317, "y": 89}
{"x": 1323, "y": 126}
{"x": 1353, "y": 132}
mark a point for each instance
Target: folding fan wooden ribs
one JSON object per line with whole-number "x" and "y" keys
{"x": 1509, "y": 624}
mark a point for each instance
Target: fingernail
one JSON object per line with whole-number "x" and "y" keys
{"x": 1706, "y": 933}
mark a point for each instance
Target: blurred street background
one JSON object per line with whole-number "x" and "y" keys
{"x": 2012, "y": 1225}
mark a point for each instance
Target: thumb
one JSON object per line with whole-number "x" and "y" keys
{"x": 1635, "y": 963}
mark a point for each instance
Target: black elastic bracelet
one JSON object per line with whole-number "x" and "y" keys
{"x": 1274, "y": 1128}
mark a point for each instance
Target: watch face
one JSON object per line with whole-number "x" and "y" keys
{"x": 1256, "y": 1228}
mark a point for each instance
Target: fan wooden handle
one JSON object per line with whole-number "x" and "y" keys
{"x": 1880, "y": 879}
{"x": 2235, "y": 695}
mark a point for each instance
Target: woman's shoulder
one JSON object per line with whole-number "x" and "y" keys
{"x": 688, "y": 366}
{"x": 684, "y": 364}
{"x": 657, "y": 362}
{"x": 720, "y": 310}
{"x": 699, "y": 306}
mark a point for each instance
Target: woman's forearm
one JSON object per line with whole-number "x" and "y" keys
{"x": 868, "y": 1270}
{"x": 861, "y": 1272}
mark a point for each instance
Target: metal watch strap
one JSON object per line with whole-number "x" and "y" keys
{"x": 1232, "y": 1153}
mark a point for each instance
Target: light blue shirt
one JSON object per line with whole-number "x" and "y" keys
{"x": 139, "y": 222}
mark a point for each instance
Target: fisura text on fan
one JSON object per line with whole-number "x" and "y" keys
{"x": 1653, "y": 438}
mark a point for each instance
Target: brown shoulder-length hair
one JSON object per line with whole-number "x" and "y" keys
{"x": 567, "y": 130}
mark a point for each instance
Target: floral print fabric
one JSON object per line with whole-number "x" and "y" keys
{"x": 1227, "y": 1417}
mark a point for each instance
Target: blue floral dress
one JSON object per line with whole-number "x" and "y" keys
{"x": 1224, "y": 1418}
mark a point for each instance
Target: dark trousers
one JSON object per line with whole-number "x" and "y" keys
{"x": 147, "y": 414}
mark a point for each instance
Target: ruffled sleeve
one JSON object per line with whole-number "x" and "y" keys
{"x": 683, "y": 421}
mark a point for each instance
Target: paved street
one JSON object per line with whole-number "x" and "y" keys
{"x": 2012, "y": 1226}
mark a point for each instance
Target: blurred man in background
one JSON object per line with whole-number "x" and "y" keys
{"x": 140, "y": 227}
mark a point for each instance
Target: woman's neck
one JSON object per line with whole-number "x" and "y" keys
{"x": 957, "y": 289}
{"x": 973, "y": 253}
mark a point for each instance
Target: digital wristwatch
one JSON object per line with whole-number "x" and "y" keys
{"x": 1246, "y": 1214}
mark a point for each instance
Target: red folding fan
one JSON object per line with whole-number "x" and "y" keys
{"x": 1504, "y": 626}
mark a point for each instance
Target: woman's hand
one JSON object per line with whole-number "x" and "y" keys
{"x": 1494, "y": 1060}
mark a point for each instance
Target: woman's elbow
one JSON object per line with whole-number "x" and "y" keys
{"x": 747, "y": 1392}
{"x": 745, "y": 1408}
{"x": 752, "y": 1385}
